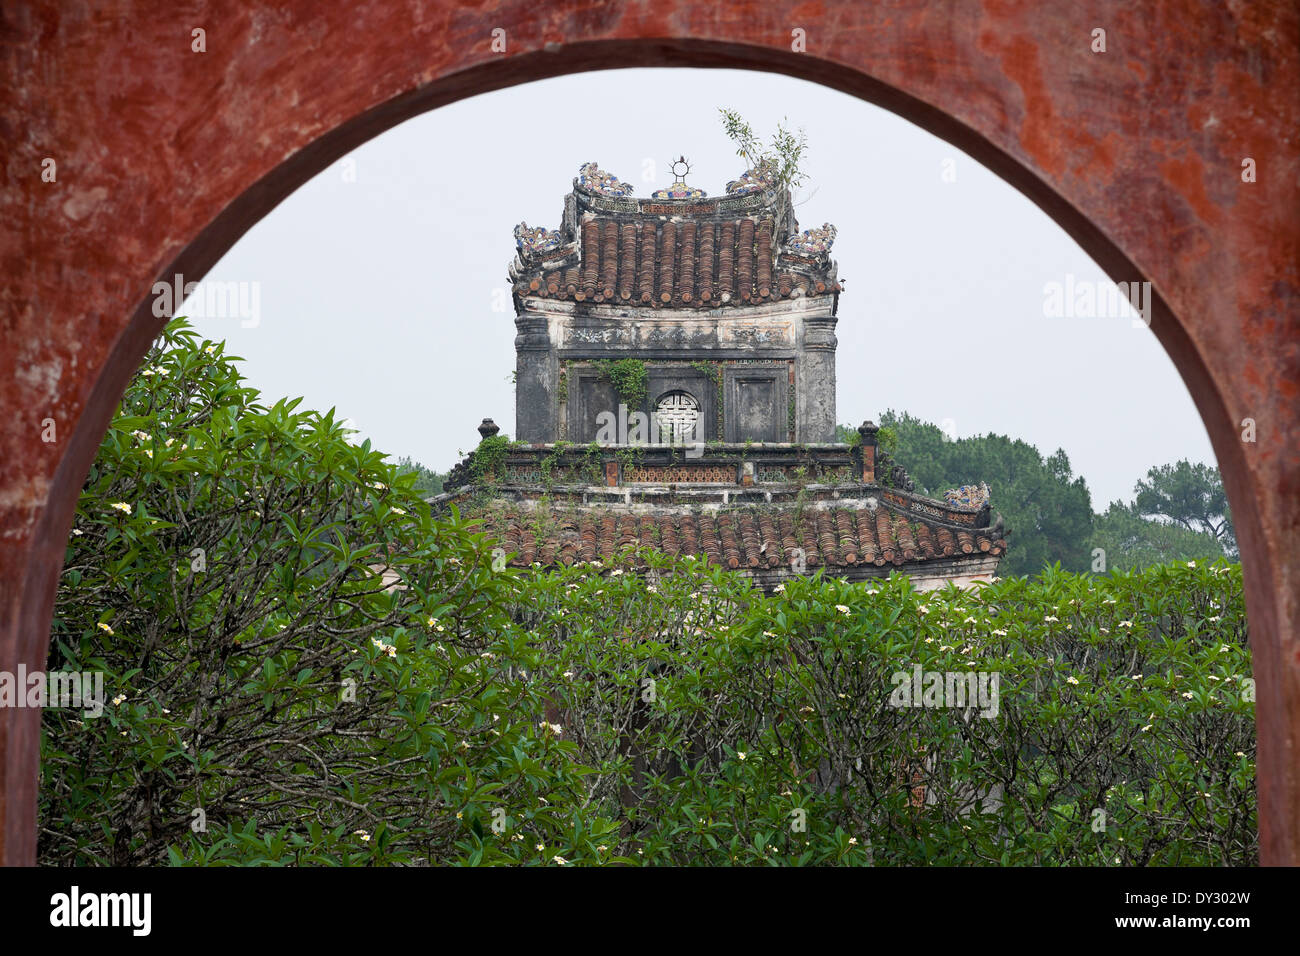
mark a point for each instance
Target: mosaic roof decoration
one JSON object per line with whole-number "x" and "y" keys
{"x": 968, "y": 496}
{"x": 679, "y": 189}
{"x": 813, "y": 242}
{"x": 537, "y": 239}
{"x": 752, "y": 180}
{"x": 592, "y": 177}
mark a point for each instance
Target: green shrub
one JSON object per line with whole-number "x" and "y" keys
{"x": 306, "y": 667}
{"x": 1125, "y": 695}
{"x": 274, "y": 700}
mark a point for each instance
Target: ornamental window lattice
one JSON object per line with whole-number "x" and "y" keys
{"x": 678, "y": 414}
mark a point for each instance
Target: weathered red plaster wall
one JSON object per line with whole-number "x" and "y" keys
{"x": 165, "y": 156}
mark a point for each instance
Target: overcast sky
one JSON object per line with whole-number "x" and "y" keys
{"x": 382, "y": 282}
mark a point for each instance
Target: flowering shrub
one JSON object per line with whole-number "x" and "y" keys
{"x": 1123, "y": 732}
{"x": 305, "y": 666}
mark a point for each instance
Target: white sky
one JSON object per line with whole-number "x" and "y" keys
{"x": 376, "y": 296}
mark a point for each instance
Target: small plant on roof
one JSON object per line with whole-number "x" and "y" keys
{"x": 780, "y": 163}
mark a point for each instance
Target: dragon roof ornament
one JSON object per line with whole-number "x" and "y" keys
{"x": 813, "y": 242}
{"x": 531, "y": 241}
{"x": 591, "y": 176}
{"x": 968, "y": 496}
{"x": 753, "y": 180}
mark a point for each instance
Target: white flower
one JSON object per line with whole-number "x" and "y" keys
{"x": 118, "y": 699}
{"x": 853, "y": 841}
{"x": 740, "y": 754}
{"x": 121, "y": 506}
{"x": 1240, "y": 753}
{"x": 541, "y": 847}
{"x": 1191, "y": 564}
{"x": 106, "y": 628}
{"x": 1050, "y": 617}
{"x": 1072, "y": 680}
{"x": 602, "y": 848}
{"x": 78, "y": 532}
{"x": 1000, "y": 633}
{"x": 1125, "y": 623}
{"x": 970, "y": 620}
{"x": 873, "y": 591}
{"x": 842, "y": 608}
{"x": 559, "y": 859}
{"x": 568, "y": 675}
{"x": 1188, "y": 694}
{"x": 399, "y": 511}
{"x": 779, "y": 589}
{"x": 1146, "y": 728}
{"x": 143, "y": 436}
{"x": 365, "y": 837}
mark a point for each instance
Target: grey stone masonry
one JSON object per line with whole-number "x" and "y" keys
{"x": 729, "y": 312}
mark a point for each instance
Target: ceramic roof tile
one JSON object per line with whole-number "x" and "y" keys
{"x": 750, "y": 539}
{"x": 672, "y": 263}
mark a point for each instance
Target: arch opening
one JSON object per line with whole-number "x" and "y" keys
{"x": 28, "y": 636}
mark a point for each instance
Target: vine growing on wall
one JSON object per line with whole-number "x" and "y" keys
{"x": 490, "y": 457}
{"x": 630, "y": 379}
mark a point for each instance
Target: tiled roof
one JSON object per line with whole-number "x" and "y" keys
{"x": 750, "y": 538}
{"x": 673, "y": 263}
{"x": 673, "y": 251}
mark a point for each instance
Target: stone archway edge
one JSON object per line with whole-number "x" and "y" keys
{"x": 163, "y": 156}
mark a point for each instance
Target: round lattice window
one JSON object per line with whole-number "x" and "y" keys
{"x": 678, "y": 414}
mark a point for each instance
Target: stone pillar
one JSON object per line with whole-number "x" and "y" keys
{"x": 815, "y": 381}
{"x": 868, "y": 451}
{"x": 537, "y": 378}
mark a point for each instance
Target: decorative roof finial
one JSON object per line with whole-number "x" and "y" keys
{"x": 679, "y": 190}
